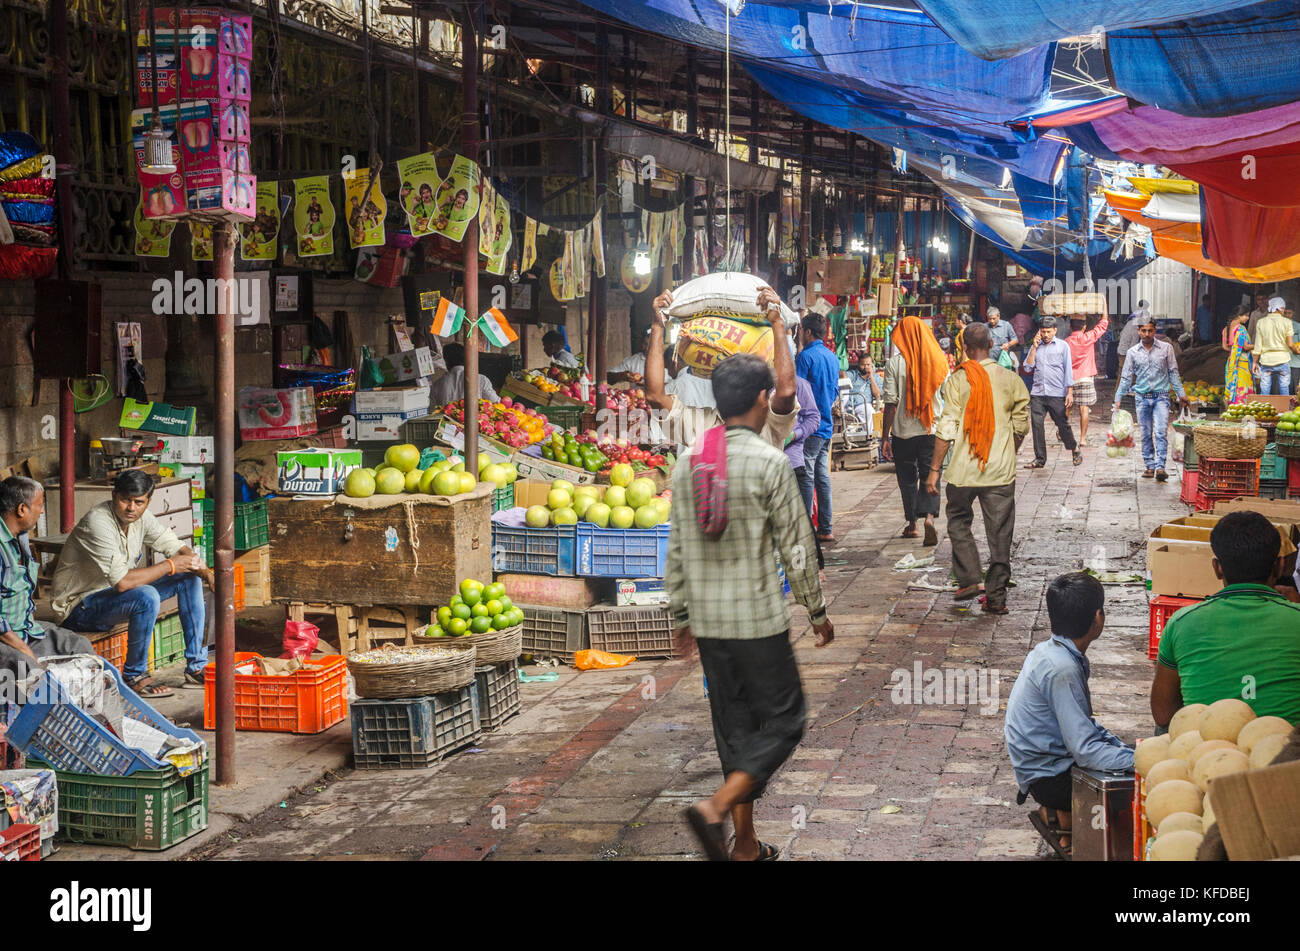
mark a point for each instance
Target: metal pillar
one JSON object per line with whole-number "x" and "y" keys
{"x": 223, "y": 259}
{"x": 469, "y": 138}
{"x": 58, "y": 26}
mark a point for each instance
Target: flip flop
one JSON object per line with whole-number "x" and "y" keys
{"x": 966, "y": 593}
{"x": 910, "y": 533}
{"x": 931, "y": 536}
{"x": 711, "y": 835}
{"x": 146, "y": 687}
{"x": 767, "y": 852}
{"x": 1050, "y": 836}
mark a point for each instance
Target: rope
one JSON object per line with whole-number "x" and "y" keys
{"x": 412, "y": 532}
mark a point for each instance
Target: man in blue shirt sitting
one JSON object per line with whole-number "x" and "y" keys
{"x": 1052, "y": 392}
{"x": 1049, "y": 727}
{"x": 821, "y": 369}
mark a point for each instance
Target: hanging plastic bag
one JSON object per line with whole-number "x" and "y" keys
{"x": 600, "y": 660}
{"x": 300, "y": 639}
{"x": 370, "y": 376}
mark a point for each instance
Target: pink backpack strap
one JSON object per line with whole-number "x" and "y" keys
{"x": 709, "y": 481}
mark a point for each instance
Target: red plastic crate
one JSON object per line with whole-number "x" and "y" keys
{"x": 24, "y": 839}
{"x": 1162, "y": 609}
{"x": 309, "y": 700}
{"x": 239, "y": 587}
{"x": 112, "y": 647}
{"x": 1293, "y": 478}
{"x": 1228, "y": 478}
{"x": 1188, "y": 493}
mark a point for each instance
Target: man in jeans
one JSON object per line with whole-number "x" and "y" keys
{"x": 725, "y": 593}
{"x": 1150, "y": 371}
{"x": 911, "y": 410}
{"x": 1274, "y": 344}
{"x": 821, "y": 369}
{"x": 102, "y": 580}
{"x": 1053, "y": 390}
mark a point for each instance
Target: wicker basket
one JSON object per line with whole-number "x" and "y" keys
{"x": 1228, "y": 442}
{"x": 494, "y": 647}
{"x": 418, "y": 677}
{"x": 1288, "y": 444}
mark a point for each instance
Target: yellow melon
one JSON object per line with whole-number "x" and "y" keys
{"x": 1176, "y": 847}
{"x": 1185, "y": 719}
{"x": 1207, "y": 746}
{"x": 1207, "y": 815}
{"x": 1149, "y": 752}
{"x": 1179, "y": 822}
{"x": 1218, "y": 763}
{"x": 1266, "y": 750}
{"x": 1223, "y": 719}
{"x": 1257, "y": 729}
{"x": 1166, "y": 770}
{"x": 1182, "y": 747}
{"x": 1176, "y": 795}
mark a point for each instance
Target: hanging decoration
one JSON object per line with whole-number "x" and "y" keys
{"x": 530, "y": 246}
{"x": 153, "y": 236}
{"x": 313, "y": 216}
{"x": 200, "y": 240}
{"x": 366, "y": 213}
{"x": 598, "y": 243}
{"x": 259, "y": 239}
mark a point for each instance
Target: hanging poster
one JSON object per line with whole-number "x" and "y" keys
{"x": 598, "y": 243}
{"x": 313, "y": 216}
{"x": 200, "y": 240}
{"x": 669, "y": 256}
{"x": 419, "y": 175}
{"x": 530, "y": 245}
{"x": 498, "y": 239}
{"x": 655, "y": 237}
{"x": 258, "y": 240}
{"x": 555, "y": 275}
{"x": 569, "y": 276}
{"x": 153, "y": 236}
{"x": 457, "y": 199}
{"x": 486, "y": 209}
{"x": 580, "y": 263}
{"x": 365, "y": 222}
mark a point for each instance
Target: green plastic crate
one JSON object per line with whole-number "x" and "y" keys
{"x": 1272, "y": 468}
{"x": 252, "y": 526}
{"x": 168, "y": 642}
{"x": 503, "y": 498}
{"x": 565, "y": 417}
{"x": 150, "y": 810}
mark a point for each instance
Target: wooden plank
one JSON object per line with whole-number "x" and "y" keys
{"x": 313, "y": 559}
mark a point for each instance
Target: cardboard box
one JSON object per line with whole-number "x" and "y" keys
{"x": 1256, "y": 812}
{"x": 1279, "y": 510}
{"x": 315, "y": 471}
{"x": 640, "y": 591}
{"x": 190, "y": 450}
{"x": 1281, "y": 403}
{"x": 276, "y": 413}
{"x": 523, "y": 390}
{"x": 1183, "y": 568}
{"x": 157, "y": 418}
{"x": 407, "y": 365}
{"x": 534, "y": 493}
{"x": 454, "y": 436}
{"x": 383, "y": 427}
{"x": 388, "y": 400}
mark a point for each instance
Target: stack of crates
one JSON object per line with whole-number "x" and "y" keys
{"x": 1273, "y": 474}
{"x": 252, "y": 527}
{"x": 415, "y": 732}
{"x": 1221, "y": 479}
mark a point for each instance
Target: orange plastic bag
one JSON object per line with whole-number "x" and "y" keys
{"x": 600, "y": 660}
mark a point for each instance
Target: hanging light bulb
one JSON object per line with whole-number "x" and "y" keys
{"x": 837, "y": 239}
{"x": 514, "y": 273}
{"x": 641, "y": 262}
{"x": 158, "y": 143}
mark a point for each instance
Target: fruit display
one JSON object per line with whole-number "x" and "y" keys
{"x": 478, "y": 609}
{"x": 1205, "y": 742}
{"x": 610, "y": 452}
{"x": 506, "y": 421}
{"x": 540, "y": 380}
{"x": 1262, "y": 412}
{"x": 632, "y": 506}
{"x": 1289, "y": 422}
{"x": 574, "y": 451}
{"x": 618, "y": 398}
{"x": 1202, "y": 392}
{"x": 400, "y": 473}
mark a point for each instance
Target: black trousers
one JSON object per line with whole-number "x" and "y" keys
{"x": 757, "y": 704}
{"x": 1054, "y": 406}
{"x": 912, "y": 460}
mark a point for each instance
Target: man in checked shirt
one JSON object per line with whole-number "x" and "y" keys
{"x": 726, "y": 593}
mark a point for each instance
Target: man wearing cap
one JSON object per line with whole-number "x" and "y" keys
{"x": 1000, "y": 332}
{"x": 1274, "y": 344}
{"x": 1150, "y": 371}
{"x": 632, "y": 370}
{"x": 1052, "y": 393}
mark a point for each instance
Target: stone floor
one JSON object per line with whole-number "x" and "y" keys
{"x": 600, "y": 764}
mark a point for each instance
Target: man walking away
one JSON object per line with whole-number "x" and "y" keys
{"x": 1274, "y": 344}
{"x": 985, "y": 418}
{"x": 1204, "y": 321}
{"x": 1053, "y": 364}
{"x": 821, "y": 368}
{"x": 1150, "y": 371}
{"x": 1083, "y": 355}
{"x": 1049, "y": 727}
{"x": 737, "y": 509}
{"x": 911, "y": 410}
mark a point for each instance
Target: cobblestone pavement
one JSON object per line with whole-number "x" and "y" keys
{"x": 600, "y": 764}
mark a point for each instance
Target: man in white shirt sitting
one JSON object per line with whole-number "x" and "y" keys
{"x": 450, "y": 387}
{"x": 553, "y": 345}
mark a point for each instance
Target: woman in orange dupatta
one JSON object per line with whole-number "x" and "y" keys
{"x": 913, "y": 376}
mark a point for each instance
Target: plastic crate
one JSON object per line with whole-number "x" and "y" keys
{"x": 554, "y": 632}
{"x": 503, "y": 498}
{"x": 1227, "y": 478}
{"x": 53, "y": 729}
{"x": 112, "y": 647}
{"x": 305, "y": 701}
{"x": 240, "y": 598}
{"x": 1190, "y": 460}
{"x": 498, "y": 693}
{"x": 1188, "y": 492}
{"x": 1293, "y": 479}
{"x": 1288, "y": 444}
{"x": 534, "y": 551}
{"x": 168, "y": 645}
{"x": 565, "y": 417}
{"x": 621, "y": 552}
{"x": 150, "y": 810}
{"x": 252, "y": 526}
{"x": 414, "y": 733}
{"x": 22, "y": 839}
{"x": 1272, "y": 467}
{"x": 644, "y": 631}
{"x": 1162, "y": 609}
{"x": 1272, "y": 489}
{"x": 421, "y": 432}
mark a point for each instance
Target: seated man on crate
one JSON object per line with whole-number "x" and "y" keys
{"x": 1242, "y": 642}
{"x": 1049, "y": 725}
{"x": 103, "y": 579}
{"x": 23, "y": 639}
{"x": 450, "y": 387}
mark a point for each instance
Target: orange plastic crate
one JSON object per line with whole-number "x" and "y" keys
{"x": 1163, "y": 608}
{"x": 112, "y": 647}
{"x": 24, "y": 839}
{"x": 309, "y": 700}
{"x": 239, "y": 587}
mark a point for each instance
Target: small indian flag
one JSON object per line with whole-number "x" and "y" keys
{"x": 447, "y": 318}
{"x": 496, "y": 328}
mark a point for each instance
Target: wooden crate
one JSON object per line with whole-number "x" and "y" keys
{"x": 363, "y": 626}
{"x": 317, "y": 560}
{"x": 257, "y": 576}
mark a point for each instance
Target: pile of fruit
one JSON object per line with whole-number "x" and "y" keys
{"x": 618, "y": 398}
{"x": 573, "y": 451}
{"x": 506, "y": 421}
{"x": 1262, "y": 412}
{"x": 633, "y": 506}
{"x": 620, "y": 452}
{"x": 478, "y": 609}
{"x": 1202, "y": 392}
{"x": 1204, "y": 742}
{"x": 401, "y": 472}
{"x": 538, "y": 379}
{"x": 1289, "y": 422}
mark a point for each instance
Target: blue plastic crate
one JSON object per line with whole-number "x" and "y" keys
{"x": 58, "y": 732}
{"x": 533, "y": 551}
{"x": 621, "y": 552}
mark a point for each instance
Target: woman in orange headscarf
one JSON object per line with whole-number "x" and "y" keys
{"x": 913, "y": 376}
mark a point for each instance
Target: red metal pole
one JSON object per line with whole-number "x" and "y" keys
{"x": 223, "y": 257}
{"x": 63, "y": 185}
{"x": 469, "y": 136}
{"x": 67, "y": 454}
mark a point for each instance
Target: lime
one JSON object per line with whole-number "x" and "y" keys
{"x": 501, "y": 622}
{"x": 493, "y": 591}
{"x": 506, "y": 603}
{"x": 444, "y": 615}
{"x": 434, "y": 630}
{"x": 455, "y": 600}
{"x": 493, "y": 607}
{"x": 474, "y": 596}
{"x": 479, "y": 610}
{"x": 468, "y": 585}
{"x": 457, "y": 626}
{"x": 462, "y": 611}
{"x": 480, "y": 625}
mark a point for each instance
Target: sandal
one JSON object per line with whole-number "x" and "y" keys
{"x": 1036, "y": 465}
{"x": 1052, "y": 835}
{"x": 711, "y": 835}
{"x": 910, "y": 532}
{"x": 931, "y": 535}
{"x": 146, "y": 687}
{"x": 966, "y": 593}
{"x": 767, "y": 852}
{"x": 193, "y": 679}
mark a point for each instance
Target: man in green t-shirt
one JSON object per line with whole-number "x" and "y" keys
{"x": 1242, "y": 642}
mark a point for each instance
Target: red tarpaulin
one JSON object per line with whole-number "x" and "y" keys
{"x": 1241, "y": 235}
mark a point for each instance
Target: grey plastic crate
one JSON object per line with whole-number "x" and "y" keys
{"x": 498, "y": 693}
{"x": 414, "y": 733}
{"x": 554, "y": 632}
{"x": 644, "y": 631}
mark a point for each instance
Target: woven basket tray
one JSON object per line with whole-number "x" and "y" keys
{"x": 1227, "y": 442}
{"x": 1288, "y": 445}
{"x": 415, "y": 678}
{"x": 494, "y": 647}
